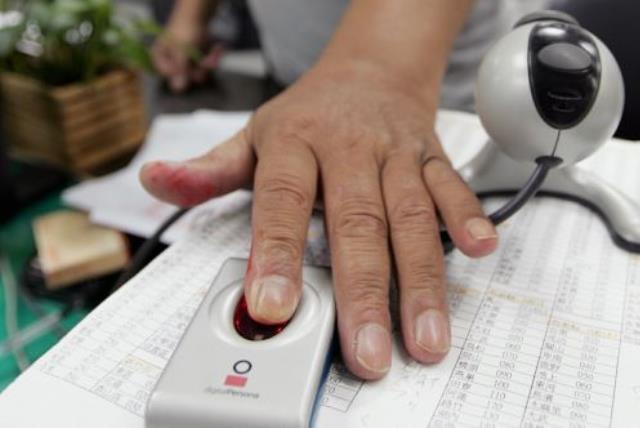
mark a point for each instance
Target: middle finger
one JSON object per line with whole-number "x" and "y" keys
{"x": 360, "y": 258}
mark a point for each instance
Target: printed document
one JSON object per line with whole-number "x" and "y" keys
{"x": 546, "y": 331}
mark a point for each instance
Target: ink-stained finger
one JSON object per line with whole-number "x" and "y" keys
{"x": 224, "y": 169}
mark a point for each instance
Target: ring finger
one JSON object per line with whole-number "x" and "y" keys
{"x": 418, "y": 258}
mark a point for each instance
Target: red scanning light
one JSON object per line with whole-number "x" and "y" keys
{"x": 250, "y": 329}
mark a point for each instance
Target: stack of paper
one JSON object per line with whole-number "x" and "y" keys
{"x": 118, "y": 200}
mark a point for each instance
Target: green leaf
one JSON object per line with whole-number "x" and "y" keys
{"x": 79, "y": 39}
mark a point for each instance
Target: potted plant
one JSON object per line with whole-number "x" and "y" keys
{"x": 69, "y": 91}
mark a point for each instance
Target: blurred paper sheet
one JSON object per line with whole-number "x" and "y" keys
{"x": 118, "y": 200}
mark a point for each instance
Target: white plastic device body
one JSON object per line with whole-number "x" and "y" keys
{"x": 217, "y": 378}
{"x": 508, "y": 112}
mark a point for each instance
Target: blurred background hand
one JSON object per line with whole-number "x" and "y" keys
{"x": 176, "y": 57}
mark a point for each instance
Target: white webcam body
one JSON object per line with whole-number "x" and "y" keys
{"x": 508, "y": 111}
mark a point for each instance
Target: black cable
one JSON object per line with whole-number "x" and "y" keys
{"x": 141, "y": 258}
{"x": 528, "y": 191}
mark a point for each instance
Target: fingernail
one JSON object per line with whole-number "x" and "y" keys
{"x": 373, "y": 348}
{"x": 481, "y": 229}
{"x": 432, "y": 332}
{"x": 275, "y": 298}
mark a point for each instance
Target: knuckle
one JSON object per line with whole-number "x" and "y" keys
{"x": 428, "y": 296}
{"x": 439, "y": 174}
{"x": 466, "y": 207}
{"x": 297, "y": 129}
{"x": 283, "y": 190}
{"x": 357, "y": 140}
{"x": 356, "y": 144}
{"x": 359, "y": 218}
{"x": 367, "y": 291}
{"x": 282, "y": 246}
{"x": 412, "y": 148}
{"x": 413, "y": 216}
{"x": 425, "y": 275}
{"x": 424, "y": 282}
{"x": 365, "y": 139}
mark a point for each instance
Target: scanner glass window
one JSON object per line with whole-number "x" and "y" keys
{"x": 250, "y": 329}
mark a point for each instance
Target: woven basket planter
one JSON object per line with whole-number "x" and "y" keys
{"x": 81, "y": 127}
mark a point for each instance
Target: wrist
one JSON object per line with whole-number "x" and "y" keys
{"x": 422, "y": 86}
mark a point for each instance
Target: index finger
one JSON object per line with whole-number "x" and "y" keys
{"x": 284, "y": 192}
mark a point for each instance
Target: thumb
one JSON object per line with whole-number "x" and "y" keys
{"x": 224, "y": 169}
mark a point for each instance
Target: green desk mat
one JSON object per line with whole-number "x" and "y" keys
{"x": 16, "y": 242}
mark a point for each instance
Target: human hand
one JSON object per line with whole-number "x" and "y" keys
{"x": 173, "y": 58}
{"x": 367, "y": 143}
